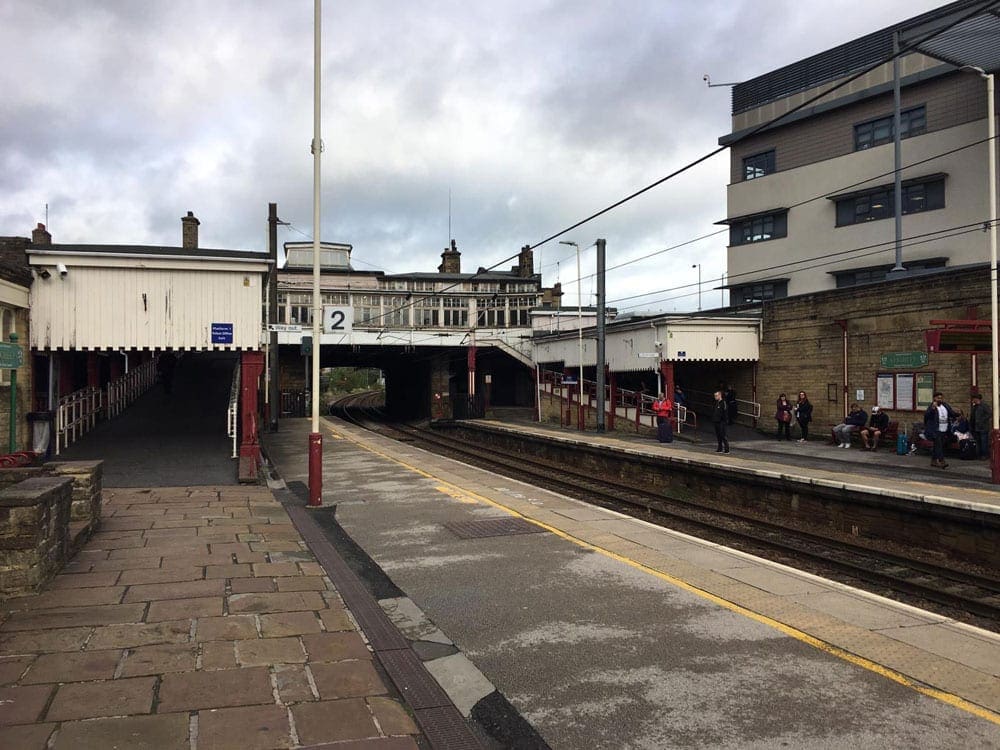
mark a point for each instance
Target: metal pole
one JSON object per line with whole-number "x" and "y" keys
{"x": 315, "y": 438}
{"x": 897, "y": 158}
{"x": 274, "y": 396}
{"x": 13, "y": 401}
{"x": 698, "y": 266}
{"x": 579, "y": 331}
{"x": 601, "y": 358}
{"x": 991, "y": 131}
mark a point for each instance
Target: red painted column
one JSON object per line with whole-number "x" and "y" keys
{"x": 252, "y": 367}
{"x": 470, "y": 361}
{"x": 613, "y": 389}
{"x": 117, "y": 365}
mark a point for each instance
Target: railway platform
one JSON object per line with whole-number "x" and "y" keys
{"x": 606, "y": 631}
{"x": 200, "y": 615}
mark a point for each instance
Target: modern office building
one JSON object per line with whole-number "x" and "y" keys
{"x": 810, "y": 204}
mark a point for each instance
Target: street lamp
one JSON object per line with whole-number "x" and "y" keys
{"x": 579, "y": 314}
{"x": 698, "y": 266}
{"x": 991, "y": 172}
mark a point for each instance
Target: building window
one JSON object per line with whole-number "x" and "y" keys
{"x": 456, "y": 312}
{"x": 876, "y": 132}
{"x": 747, "y": 293}
{"x": 879, "y": 204}
{"x": 759, "y": 229}
{"x": 758, "y": 165}
{"x": 872, "y": 275}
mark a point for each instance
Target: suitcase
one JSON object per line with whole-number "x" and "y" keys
{"x": 902, "y": 445}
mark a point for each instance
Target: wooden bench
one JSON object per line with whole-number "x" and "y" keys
{"x": 889, "y": 435}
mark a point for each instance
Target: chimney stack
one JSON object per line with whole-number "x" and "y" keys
{"x": 189, "y": 231}
{"x": 40, "y": 235}
{"x": 451, "y": 260}
{"x": 526, "y": 263}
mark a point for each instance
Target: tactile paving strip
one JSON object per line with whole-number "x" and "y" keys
{"x": 440, "y": 721}
{"x": 492, "y": 527}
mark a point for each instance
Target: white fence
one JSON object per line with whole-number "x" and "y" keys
{"x": 130, "y": 386}
{"x": 79, "y": 412}
{"x": 233, "y": 412}
{"x": 76, "y": 415}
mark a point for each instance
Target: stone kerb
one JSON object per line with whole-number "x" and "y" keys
{"x": 34, "y": 532}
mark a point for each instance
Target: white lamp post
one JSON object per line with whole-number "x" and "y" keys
{"x": 579, "y": 313}
{"x": 698, "y": 266}
{"x": 991, "y": 172}
{"x": 315, "y": 437}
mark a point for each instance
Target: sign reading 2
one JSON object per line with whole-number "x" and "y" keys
{"x": 337, "y": 319}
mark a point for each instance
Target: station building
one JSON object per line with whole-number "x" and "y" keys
{"x": 811, "y": 208}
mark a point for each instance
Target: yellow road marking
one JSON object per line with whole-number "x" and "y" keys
{"x": 860, "y": 661}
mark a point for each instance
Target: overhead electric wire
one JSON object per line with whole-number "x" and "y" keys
{"x": 823, "y": 261}
{"x": 899, "y": 53}
{"x": 825, "y": 194}
{"x": 763, "y": 126}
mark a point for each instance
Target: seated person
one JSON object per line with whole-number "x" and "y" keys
{"x": 877, "y": 425}
{"x": 960, "y": 426}
{"x": 852, "y": 422}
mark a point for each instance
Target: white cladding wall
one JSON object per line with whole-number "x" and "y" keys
{"x": 640, "y": 348}
{"x": 145, "y": 308}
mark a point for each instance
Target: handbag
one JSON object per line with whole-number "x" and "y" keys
{"x": 786, "y": 417}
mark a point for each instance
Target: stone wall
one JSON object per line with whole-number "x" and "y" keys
{"x": 38, "y": 536}
{"x": 802, "y": 346}
{"x": 34, "y": 532}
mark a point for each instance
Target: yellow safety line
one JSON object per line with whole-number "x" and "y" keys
{"x": 459, "y": 493}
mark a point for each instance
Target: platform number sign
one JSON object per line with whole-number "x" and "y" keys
{"x": 337, "y": 319}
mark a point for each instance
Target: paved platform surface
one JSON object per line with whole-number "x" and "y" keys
{"x": 195, "y": 618}
{"x": 607, "y": 632}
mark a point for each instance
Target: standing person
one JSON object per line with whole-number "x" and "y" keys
{"x": 981, "y": 423}
{"x": 783, "y": 415}
{"x": 852, "y": 423}
{"x": 662, "y": 407}
{"x": 878, "y": 423}
{"x": 937, "y": 420}
{"x": 720, "y": 419}
{"x": 165, "y": 365}
{"x": 803, "y": 415}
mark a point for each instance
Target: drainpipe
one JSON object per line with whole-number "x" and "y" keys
{"x": 843, "y": 327}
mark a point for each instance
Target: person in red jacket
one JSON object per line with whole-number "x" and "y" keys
{"x": 663, "y": 408}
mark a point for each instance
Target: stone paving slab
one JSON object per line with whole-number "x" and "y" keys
{"x": 195, "y": 617}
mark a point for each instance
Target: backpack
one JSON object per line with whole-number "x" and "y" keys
{"x": 968, "y": 450}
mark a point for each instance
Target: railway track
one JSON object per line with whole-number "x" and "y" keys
{"x": 946, "y": 587}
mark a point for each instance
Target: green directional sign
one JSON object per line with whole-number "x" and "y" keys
{"x": 903, "y": 359}
{"x": 11, "y": 356}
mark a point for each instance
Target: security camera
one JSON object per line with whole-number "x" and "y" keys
{"x": 657, "y": 344}
{"x": 63, "y": 271}
{"x": 44, "y": 273}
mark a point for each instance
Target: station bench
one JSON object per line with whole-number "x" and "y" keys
{"x": 889, "y": 435}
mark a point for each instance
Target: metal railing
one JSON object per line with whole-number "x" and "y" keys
{"x": 129, "y": 387}
{"x": 233, "y": 412}
{"x": 76, "y": 415}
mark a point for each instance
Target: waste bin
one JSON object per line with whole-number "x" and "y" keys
{"x": 41, "y": 431}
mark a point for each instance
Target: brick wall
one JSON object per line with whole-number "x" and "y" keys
{"x": 802, "y": 344}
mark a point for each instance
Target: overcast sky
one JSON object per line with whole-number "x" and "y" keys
{"x": 122, "y": 115}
